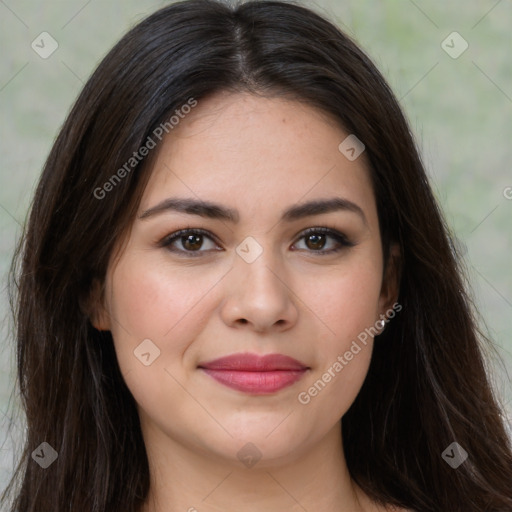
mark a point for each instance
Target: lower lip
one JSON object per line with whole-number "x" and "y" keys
{"x": 256, "y": 382}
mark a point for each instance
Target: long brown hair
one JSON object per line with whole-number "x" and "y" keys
{"x": 427, "y": 385}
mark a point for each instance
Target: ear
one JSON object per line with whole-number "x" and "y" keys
{"x": 93, "y": 306}
{"x": 391, "y": 280}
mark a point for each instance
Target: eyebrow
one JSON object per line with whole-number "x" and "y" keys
{"x": 217, "y": 211}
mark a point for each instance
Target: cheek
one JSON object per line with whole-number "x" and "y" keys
{"x": 336, "y": 380}
{"x": 349, "y": 310}
{"x": 152, "y": 299}
{"x": 349, "y": 302}
{"x": 156, "y": 303}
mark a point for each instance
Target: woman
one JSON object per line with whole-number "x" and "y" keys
{"x": 237, "y": 292}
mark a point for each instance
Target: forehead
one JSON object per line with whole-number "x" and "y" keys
{"x": 257, "y": 155}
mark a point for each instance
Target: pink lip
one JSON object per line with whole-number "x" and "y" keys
{"x": 255, "y": 374}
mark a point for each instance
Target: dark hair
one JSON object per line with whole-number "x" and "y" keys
{"x": 426, "y": 386}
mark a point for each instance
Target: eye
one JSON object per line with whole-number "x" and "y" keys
{"x": 192, "y": 240}
{"x": 315, "y": 239}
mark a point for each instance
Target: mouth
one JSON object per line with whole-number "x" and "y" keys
{"x": 255, "y": 374}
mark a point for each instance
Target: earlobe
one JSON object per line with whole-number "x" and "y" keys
{"x": 99, "y": 320}
{"x": 93, "y": 307}
{"x": 391, "y": 281}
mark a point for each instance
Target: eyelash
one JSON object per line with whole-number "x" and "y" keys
{"x": 339, "y": 237}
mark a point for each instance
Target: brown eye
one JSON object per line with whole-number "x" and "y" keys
{"x": 192, "y": 242}
{"x": 315, "y": 240}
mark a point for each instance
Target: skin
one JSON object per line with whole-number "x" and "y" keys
{"x": 259, "y": 156}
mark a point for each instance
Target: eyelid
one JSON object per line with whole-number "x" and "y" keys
{"x": 176, "y": 235}
{"x": 334, "y": 233}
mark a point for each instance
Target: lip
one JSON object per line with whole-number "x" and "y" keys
{"x": 255, "y": 374}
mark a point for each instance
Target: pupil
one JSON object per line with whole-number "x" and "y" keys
{"x": 317, "y": 240}
{"x": 189, "y": 242}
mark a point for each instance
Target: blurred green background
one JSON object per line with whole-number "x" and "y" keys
{"x": 459, "y": 107}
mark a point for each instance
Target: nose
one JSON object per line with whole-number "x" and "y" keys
{"x": 259, "y": 295}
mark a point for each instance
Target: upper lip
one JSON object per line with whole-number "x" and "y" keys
{"x": 254, "y": 363}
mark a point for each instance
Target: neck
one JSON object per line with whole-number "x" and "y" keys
{"x": 187, "y": 479}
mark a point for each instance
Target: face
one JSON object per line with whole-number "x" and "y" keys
{"x": 248, "y": 279}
